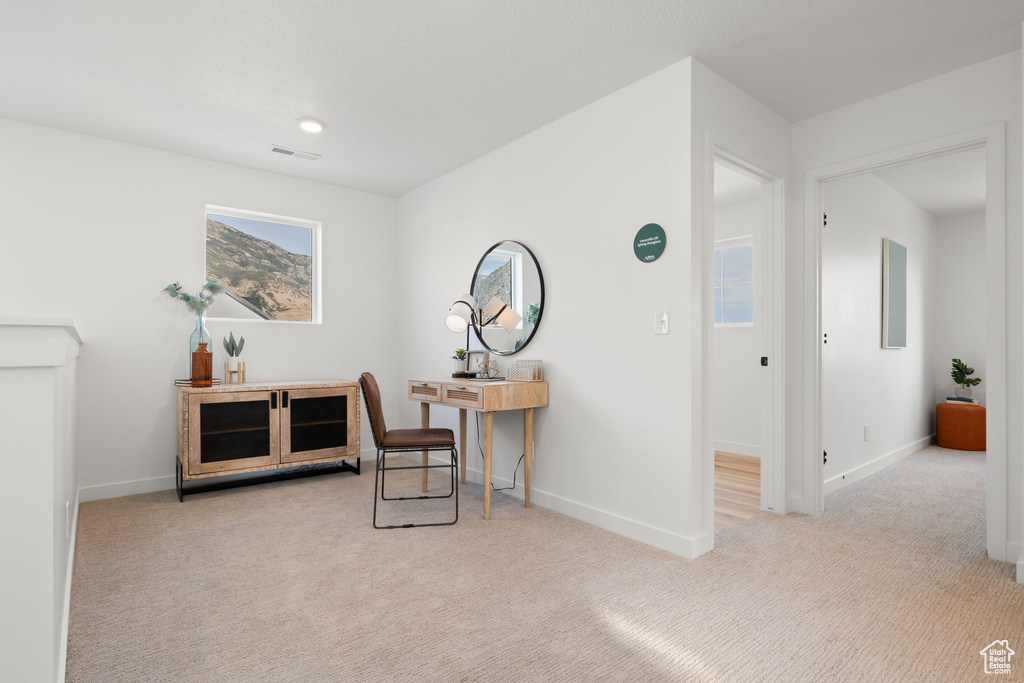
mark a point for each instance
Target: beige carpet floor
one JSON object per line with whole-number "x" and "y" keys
{"x": 289, "y": 582}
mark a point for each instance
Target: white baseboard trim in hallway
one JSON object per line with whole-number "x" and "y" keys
{"x": 1015, "y": 550}
{"x": 663, "y": 539}
{"x": 125, "y": 488}
{"x": 166, "y": 483}
{"x": 754, "y": 451}
{"x": 867, "y": 469}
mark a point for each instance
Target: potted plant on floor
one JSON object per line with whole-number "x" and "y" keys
{"x": 961, "y": 375}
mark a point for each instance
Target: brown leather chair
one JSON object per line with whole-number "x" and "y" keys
{"x": 405, "y": 441}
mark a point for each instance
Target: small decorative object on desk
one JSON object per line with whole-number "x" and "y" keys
{"x": 475, "y": 360}
{"x": 526, "y": 371}
{"x": 488, "y": 369}
{"x": 202, "y": 367}
{"x": 234, "y": 368}
{"x": 961, "y": 375}
{"x": 461, "y": 363}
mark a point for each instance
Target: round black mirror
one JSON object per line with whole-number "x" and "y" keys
{"x": 509, "y": 291}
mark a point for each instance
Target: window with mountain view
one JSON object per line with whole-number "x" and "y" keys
{"x": 266, "y": 264}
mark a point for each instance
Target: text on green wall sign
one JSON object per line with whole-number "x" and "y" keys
{"x": 649, "y": 242}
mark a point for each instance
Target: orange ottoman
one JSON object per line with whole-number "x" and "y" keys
{"x": 960, "y": 427}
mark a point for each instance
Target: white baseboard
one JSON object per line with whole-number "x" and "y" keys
{"x": 750, "y": 449}
{"x": 165, "y": 483}
{"x": 663, "y": 539}
{"x": 796, "y": 504}
{"x": 1014, "y": 556}
{"x": 861, "y": 471}
{"x": 126, "y": 488}
{"x": 62, "y": 662}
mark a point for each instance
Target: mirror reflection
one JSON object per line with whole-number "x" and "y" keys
{"x": 509, "y": 291}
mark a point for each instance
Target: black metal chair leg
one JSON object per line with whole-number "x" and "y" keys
{"x": 380, "y": 474}
{"x": 376, "y": 478}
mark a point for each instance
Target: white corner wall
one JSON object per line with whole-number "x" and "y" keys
{"x": 612, "y": 448}
{"x": 725, "y": 117}
{"x": 967, "y": 99}
{"x": 737, "y": 376}
{"x": 960, "y": 293}
{"x": 94, "y": 229}
{"x": 890, "y": 391}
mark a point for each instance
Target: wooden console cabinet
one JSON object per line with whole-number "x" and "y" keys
{"x": 238, "y": 428}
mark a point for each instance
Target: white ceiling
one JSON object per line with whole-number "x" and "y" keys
{"x": 413, "y": 89}
{"x": 943, "y": 186}
{"x": 732, "y": 186}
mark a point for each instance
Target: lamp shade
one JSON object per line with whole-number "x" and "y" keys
{"x": 497, "y": 310}
{"x": 460, "y": 314}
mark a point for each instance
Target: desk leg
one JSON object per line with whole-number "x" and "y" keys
{"x": 527, "y": 449}
{"x": 425, "y": 423}
{"x": 488, "y": 431}
{"x": 462, "y": 442}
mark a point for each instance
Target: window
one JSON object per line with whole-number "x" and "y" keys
{"x": 734, "y": 281}
{"x": 268, "y": 265}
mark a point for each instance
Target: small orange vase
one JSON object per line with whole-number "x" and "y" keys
{"x": 202, "y": 366}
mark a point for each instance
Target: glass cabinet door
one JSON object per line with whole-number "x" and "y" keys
{"x": 229, "y": 431}
{"x": 319, "y": 424}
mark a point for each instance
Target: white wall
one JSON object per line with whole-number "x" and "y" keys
{"x": 737, "y": 375}
{"x": 967, "y": 99}
{"x": 889, "y": 390}
{"x": 960, "y": 295}
{"x": 725, "y": 116}
{"x": 94, "y": 229}
{"x": 576, "y": 192}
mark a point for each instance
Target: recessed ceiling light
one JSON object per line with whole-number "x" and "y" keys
{"x": 311, "y": 125}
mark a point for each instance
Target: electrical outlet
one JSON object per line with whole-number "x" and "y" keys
{"x": 661, "y": 322}
{"x": 867, "y": 433}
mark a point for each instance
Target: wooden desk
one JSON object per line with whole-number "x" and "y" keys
{"x": 487, "y": 398}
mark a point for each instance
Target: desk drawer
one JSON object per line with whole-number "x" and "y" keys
{"x": 425, "y": 392}
{"x": 463, "y": 395}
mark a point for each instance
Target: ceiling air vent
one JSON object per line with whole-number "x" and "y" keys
{"x": 309, "y": 156}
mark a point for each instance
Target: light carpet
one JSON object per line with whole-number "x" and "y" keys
{"x": 289, "y": 582}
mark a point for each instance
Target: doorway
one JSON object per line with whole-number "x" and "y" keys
{"x": 885, "y": 369}
{"x": 742, "y": 372}
{"x": 992, "y": 141}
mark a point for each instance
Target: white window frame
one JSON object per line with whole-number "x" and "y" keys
{"x": 315, "y": 226}
{"x": 729, "y": 243}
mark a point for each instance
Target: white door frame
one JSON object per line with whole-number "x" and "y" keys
{"x": 992, "y": 139}
{"x": 771, "y": 262}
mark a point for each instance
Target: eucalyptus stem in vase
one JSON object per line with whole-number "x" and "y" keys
{"x": 198, "y": 304}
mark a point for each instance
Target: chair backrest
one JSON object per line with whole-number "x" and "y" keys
{"x": 371, "y": 392}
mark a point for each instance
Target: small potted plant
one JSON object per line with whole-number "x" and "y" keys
{"x": 234, "y": 350}
{"x": 961, "y": 375}
{"x": 461, "y": 361}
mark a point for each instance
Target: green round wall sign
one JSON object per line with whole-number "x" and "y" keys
{"x": 649, "y": 242}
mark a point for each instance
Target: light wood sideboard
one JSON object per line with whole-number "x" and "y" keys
{"x": 240, "y": 428}
{"x": 486, "y": 397}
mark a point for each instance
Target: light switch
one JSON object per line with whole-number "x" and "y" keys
{"x": 661, "y": 322}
